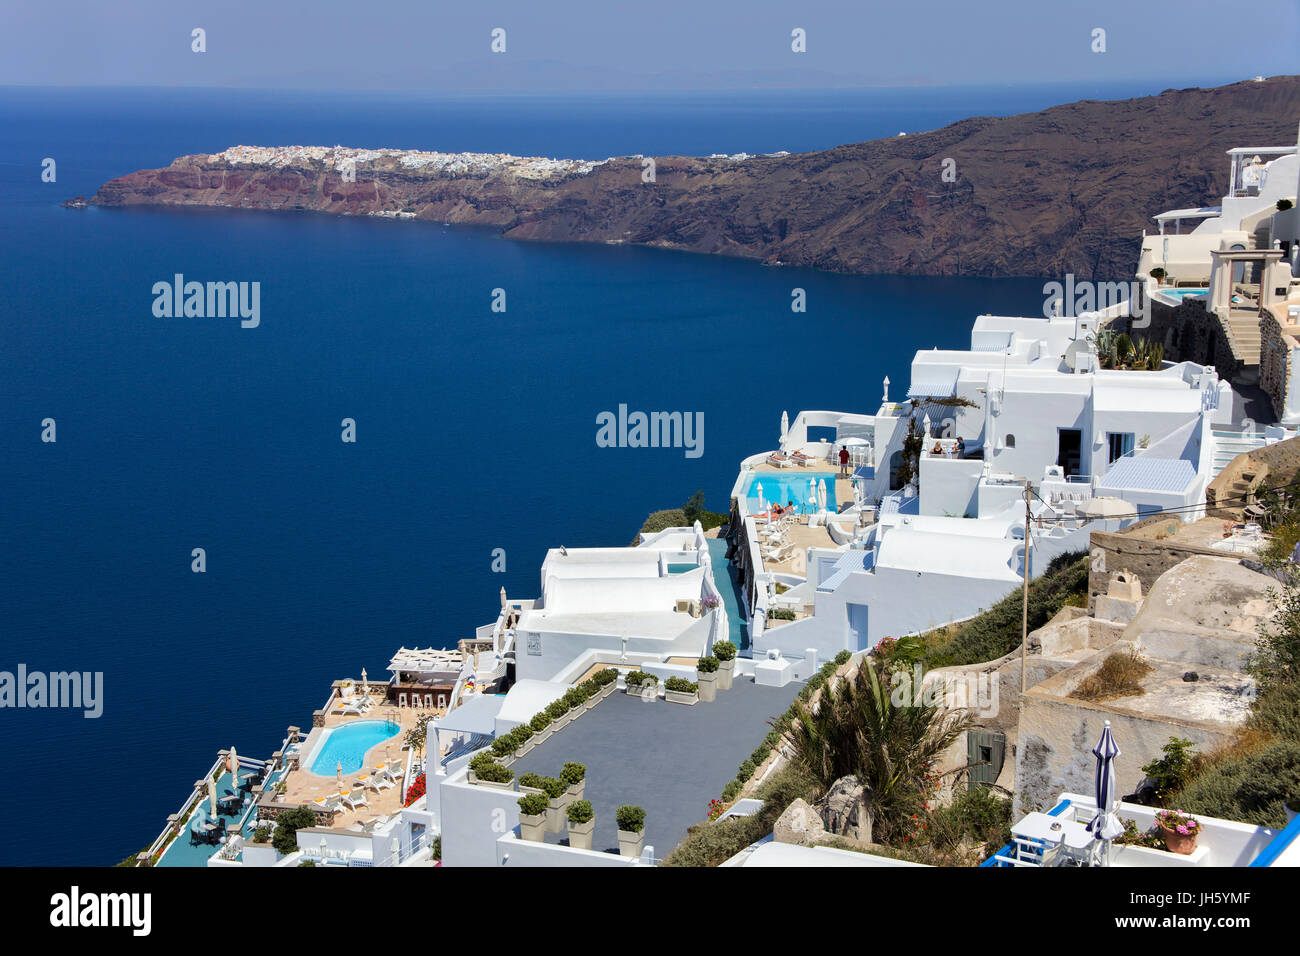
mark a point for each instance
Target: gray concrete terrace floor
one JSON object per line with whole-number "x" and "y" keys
{"x": 670, "y": 759}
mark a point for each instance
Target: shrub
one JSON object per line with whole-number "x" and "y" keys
{"x": 532, "y": 781}
{"x": 996, "y": 632}
{"x": 724, "y": 651}
{"x": 521, "y": 734}
{"x": 842, "y": 658}
{"x": 1252, "y": 788}
{"x": 630, "y": 818}
{"x": 1171, "y": 773}
{"x": 730, "y": 790}
{"x": 574, "y": 697}
{"x": 580, "y": 811}
{"x": 437, "y": 848}
{"x": 540, "y": 721}
{"x": 556, "y": 709}
{"x": 573, "y": 773}
{"x": 503, "y": 745}
{"x": 780, "y": 614}
{"x": 553, "y": 787}
{"x": 1283, "y": 205}
{"x": 287, "y": 825}
{"x": 263, "y": 833}
{"x": 533, "y": 804}
{"x": 637, "y": 678}
{"x": 1120, "y": 675}
{"x": 681, "y": 685}
{"x": 492, "y": 772}
{"x": 606, "y": 676}
{"x": 707, "y": 665}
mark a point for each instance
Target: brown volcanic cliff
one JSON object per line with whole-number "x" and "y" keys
{"x": 1068, "y": 189}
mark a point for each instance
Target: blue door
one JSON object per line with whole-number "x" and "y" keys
{"x": 858, "y": 634}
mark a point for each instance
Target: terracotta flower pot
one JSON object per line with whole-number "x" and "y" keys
{"x": 1183, "y": 843}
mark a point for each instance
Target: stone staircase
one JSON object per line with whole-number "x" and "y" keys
{"x": 1228, "y": 445}
{"x": 1245, "y": 337}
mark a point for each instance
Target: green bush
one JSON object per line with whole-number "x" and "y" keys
{"x": 1252, "y": 789}
{"x": 637, "y": 678}
{"x": 287, "y": 825}
{"x": 841, "y": 658}
{"x": 730, "y": 790}
{"x": 707, "y": 665}
{"x": 556, "y": 709}
{"x": 681, "y": 685}
{"x": 541, "y": 720}
{"x": 263, "y": 833}
{"x": 533, "y": 804}
{"x": 491, "y": 771}
{"x": 553, "y": 787}
{"x": 575, "y": 697}
{"x": 437, "y": 848}
{"x": 606, "y": 676}
{"x": 503, "y": 745}
{"x": 580, "y": 811}
{"x": 630, "y": 818}
{"x": 573, "y": 773}
{"x": 996, "y": 632}
{"x": 780, "y": 614}
{"x": 1171, "y": 773}
{"x": 724, "y": 650}
{"x": 521, "y": 735}
{"x": 533, "y": 781}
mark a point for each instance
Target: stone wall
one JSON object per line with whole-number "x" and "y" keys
{"x": 1147, "y": 559}
{"x": 1276, "y": 343}
{"x": 1191, "y": 333}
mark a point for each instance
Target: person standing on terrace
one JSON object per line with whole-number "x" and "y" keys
{"x": 844, "y": 461}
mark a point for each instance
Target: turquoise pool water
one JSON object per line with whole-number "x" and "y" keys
{"x": 348, "y": 745}
{"x": 781, "y": 487}
{"x": 681, "y": 568}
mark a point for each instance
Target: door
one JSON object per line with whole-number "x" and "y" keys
{"x": 858, "y": 634}
{"x": 985, "y": 753}
{"x": 1069, "y": 450}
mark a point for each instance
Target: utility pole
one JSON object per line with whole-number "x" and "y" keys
{"x": 1024, "y": 612}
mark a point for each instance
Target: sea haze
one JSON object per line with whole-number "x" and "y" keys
{"x": 476, "y": 430}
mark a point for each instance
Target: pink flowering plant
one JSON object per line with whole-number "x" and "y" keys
{"x": 1178, "y": 821}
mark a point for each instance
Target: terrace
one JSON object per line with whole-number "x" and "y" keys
{"x": 670, "y": 759}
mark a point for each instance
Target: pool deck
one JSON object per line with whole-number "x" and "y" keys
{"x": 670, "y": 759}
{"x": 303, "y": 786}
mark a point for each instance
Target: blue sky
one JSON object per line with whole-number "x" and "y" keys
{"x": 611, "y": 44}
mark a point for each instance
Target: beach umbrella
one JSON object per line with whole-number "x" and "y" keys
{"x": 234, "y": 770}
{"x": 785, "y": 427}
{"x": 762, "y": 505}
{"x": 503, "y": 597}
{"x": 365, "y": 684}
{"x": 212, "y": 796}
{"x": 1105, "y": 825}
{"x": 821, "y": 494}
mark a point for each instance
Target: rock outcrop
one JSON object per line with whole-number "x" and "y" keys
{"x": 1064, "y": 190}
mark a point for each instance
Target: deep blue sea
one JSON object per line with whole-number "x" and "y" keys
{"x": 476, "y": 430}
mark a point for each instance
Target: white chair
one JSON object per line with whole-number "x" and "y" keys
{"x": 357, "y": 798}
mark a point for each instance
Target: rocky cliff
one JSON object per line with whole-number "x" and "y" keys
{"x": 1068, "y": 189}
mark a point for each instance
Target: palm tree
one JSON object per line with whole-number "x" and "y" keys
{"x": 872, "y": 726}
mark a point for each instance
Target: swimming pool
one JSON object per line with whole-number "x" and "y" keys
{"x": 780, "y": 488}
{"x": 348, "y": 744}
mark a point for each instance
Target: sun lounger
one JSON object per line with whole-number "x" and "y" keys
{"x": 378, "y": 782}
{"x": 394, "y": 770}
{"x": 800, "y": 458}
{"x": 780, "y": 460}
{"x": 357, "y": 798}
{"x": 333, "y": 802}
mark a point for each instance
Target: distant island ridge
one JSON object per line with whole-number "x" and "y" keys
{"x": 1066, "y": 190}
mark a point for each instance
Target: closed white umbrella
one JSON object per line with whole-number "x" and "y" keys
{"x": 365, "y": 684}
{"x": 785, "y": 427}
{"x": 1105, "y": 825}
{"x": 212, "y": 796}
{"x": 234, "y": 770}
{"x": 821, "y": 494}
{"x": 762, "y": 505}
{"x": 812, "y": 495}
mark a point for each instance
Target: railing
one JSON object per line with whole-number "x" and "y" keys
{"x": 1280, "y": 843}
{"x": 1009, "y": 851}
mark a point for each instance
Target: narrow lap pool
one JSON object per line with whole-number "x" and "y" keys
{"x": 348, "y": 744}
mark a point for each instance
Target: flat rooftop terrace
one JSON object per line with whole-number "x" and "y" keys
{"x": 671, "y": 759}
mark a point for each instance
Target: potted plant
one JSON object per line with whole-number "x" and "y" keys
{"x": 523, "y": 738}
{"x": 576, "y": 699}
{"x": 487, "y": 772}
{"x": 574, "y": 777}
{"x": 607, "y": 679}
{"x": 582, "y": 820}
{"x": 532, "y": 817}
{"x": 558, "y": 711}
{"x": 592, "y": 692}
{"x": 1178, "y": 830}
{"x": 541, "y": 727}
{"x": 557, "y": 798}
{"x": 631, "y": 830}
{"x": 725, "y": 652}
{"x": 679, "y": 690}
{"x": 531, "y": 783}
{"x": 1158, "y": 274}
{"x": 637, "y": 681}
{"x": 706, "y": 676}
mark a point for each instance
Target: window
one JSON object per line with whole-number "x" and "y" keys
{"x": 1119, "y": 444}
{"x": 1009, "y": 441}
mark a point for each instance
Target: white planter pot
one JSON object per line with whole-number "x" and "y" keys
{"x": 708, "y": 684}
{"x": 562, "y": 720}
{"x": 508, "y": 785}
{"x": 681, "y": 697}
{"x": 726, "y": 671}
{"x": 576, "y": 791}
{"x": 631, "y": 842}
{"x": 555, "y": 815}
{"x": 608, "y": 689}
{"x": 526, "y": 746}
{"x": 580, "y": 834}
{"x": 532, "y": 827}
{"x": 541, "y": 735}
